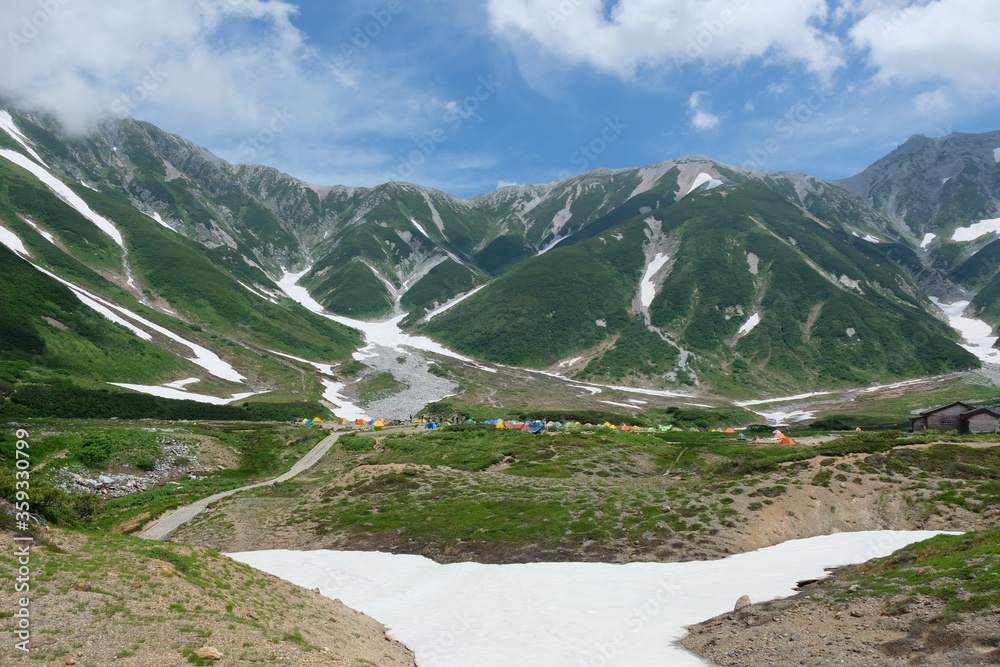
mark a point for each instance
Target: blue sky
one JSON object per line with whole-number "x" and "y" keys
{"x": 465, "y": 96}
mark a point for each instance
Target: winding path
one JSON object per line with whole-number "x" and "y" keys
{"x": 173, "y": 521}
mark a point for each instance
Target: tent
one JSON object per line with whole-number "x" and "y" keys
{"x": 787, "y": 441}
{"x": 729, "y": 430}
{"x": 317, "y": 420}
{"x": 536, "y": 428}
{"x": 470, "y": 421}
{"x": 306, "y": 422}
{"x": 431, "y": 425}
{"x": 379, "y": 423}
{"x": 740, "y": 436}
{"x": 359, "y": 421}
{"x": 499, "y": 424}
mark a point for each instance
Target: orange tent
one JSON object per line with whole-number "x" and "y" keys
{"x": 787, "y": 441}
{"x": 729, "y": 430}
{"x": 360, "y": 422}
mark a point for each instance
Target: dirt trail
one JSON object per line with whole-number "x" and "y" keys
{"x": 169, "y": 523}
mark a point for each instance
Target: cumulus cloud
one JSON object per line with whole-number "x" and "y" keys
{"x": 651, "y": 33}
{"x": 223, "y": 70}
{"x": 954, "y": 40}
{"x": 85, "y": 59}
{"x": 701, "y": 118}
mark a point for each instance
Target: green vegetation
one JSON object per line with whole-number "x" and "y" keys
{"x": 71, "y": 402}
{"x": 380, "y": 386}
{"x": 263, "y": 450}
{"x": 181, "y": 272}
{"x": 42, "y": 322}
{"x": 543, "y": 310}
{"x": 962, "y": 571}
{"x": 489, "y": 489}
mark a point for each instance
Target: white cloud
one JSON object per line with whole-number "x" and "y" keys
{"x": 216, "y": 70}
{"x": 89, "y": 58}
{"x": 955, "y": 40}
{"x": 651, "y": 33}
{"x": 701, "y": 118}
{"x": 933, "y": 103}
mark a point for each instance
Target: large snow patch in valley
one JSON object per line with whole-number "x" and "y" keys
{"x": 556, "y": 614}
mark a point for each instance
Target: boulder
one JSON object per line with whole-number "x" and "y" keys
{"x": 209, "y": 653}
{"x": 743, "y": 601}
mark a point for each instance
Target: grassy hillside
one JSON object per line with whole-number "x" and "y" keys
{"x": 45, "y": 324}
{"x": 182, "y": 273}
{"x": 543, "y": 310}
{"x": 834, "y": 310}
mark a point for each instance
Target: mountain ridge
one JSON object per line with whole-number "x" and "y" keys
{"x": 672, "y": 275}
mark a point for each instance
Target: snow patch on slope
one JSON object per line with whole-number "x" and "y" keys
{"x": 978, "y": 335}
{"x": 180, "y": 394}
{"x": 974, "y": 231}
{"x": 700, "y": 180}
{"x": 454, "y": 302}
{"x": 138, "y": 325}
{"x": 928, "y": 239}
{"x": 156, "y": 216}
{"x": 13, "y": 241}
{"x": 288, "y": 283}
{"x": 996, "y": 154}
{"x": 420, "y": 228}
{"x": 63, "y": 192}
{"x": 749, "y": 325}
{"x": 255, "y": 292}
{"x": 342, "y": 406}
{"x": 386, "y": 333}
{"x": 647, "y": 288}
{"x": 48, "y": 237}
{"x": 8, "y": 125}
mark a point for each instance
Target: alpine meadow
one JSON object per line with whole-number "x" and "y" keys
{"x": 502, "y": 333}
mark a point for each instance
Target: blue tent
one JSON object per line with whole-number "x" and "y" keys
{"x": 431, "y": 425}
{"x": 740, "y": 436}
{"x": 536, "y": 428}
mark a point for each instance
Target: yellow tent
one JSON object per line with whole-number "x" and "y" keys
{"x": 499, "y": 425}
{"x": 317, "y": 420}
{"x": 379, "y": 423}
